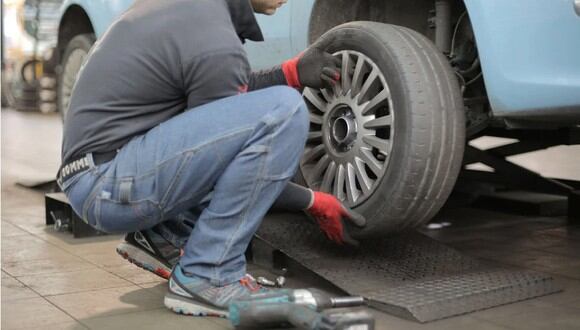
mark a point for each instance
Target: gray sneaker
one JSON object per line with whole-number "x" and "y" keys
{"x": 190, "y": 295}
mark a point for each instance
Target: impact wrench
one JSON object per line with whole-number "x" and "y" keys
{"x": 277, "y": 307}
{"x": 253, "y": 314}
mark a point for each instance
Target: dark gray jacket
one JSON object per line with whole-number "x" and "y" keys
{"x": 157, "y": 60}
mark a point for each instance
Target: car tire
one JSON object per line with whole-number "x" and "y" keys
{"x": 407, "y": 148}
{"x": 75, "y": 54}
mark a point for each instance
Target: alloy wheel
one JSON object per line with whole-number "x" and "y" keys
{"x": 351, "y": 131}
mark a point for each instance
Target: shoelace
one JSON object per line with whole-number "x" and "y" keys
{"x": 249, "y": 282}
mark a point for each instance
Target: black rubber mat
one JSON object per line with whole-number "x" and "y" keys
{"x": 407, "y": 275}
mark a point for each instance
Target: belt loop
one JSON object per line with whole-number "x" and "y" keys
{"x": 125, "y": 190}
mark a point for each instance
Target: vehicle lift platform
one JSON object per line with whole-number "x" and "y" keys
{"x": 408, "y": 275}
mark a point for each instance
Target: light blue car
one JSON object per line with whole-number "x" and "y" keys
{"x": 419, "y": 79}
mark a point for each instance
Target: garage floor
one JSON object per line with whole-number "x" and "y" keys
{"x": 52, "y": 281}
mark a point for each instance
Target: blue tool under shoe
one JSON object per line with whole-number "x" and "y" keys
{"x": 191, "y": 295}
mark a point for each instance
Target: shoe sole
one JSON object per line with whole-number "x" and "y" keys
{"x": 143, "y": 260}
{"x": 185, "y": 306}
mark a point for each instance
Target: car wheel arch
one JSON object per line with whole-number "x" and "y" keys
{"x": 415, "y": 15}
{"x": 74, "y": 21}
{"x": 410, "y": 14}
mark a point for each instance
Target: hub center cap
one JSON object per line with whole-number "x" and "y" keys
{"x": 343, "y": 129}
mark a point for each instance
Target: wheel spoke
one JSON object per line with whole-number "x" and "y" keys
{"x": 381, "y": 144}
{"x": 370, "y": 160}
{"x": 313, "y": 154}
{"x": 357, "y": 76}
{"x": 326, "y": 94}
{"x": 352, "y": 193}
{"x": 368, "y": 83}
{"x": 315, "y": 119}
{"x": 337, "y": 89}
{"x": 345, "y": 75}
{"x": 376, "y": 102}
{"x": 326, "y": 185}
{"x": 319, "y": 169}
{"x": 365, "y": 182}
{"x": 314, "y": 136}
{"x": 339, "y": 183}
{"x": 380, "y": 122}
{"x": 315, "y": 99}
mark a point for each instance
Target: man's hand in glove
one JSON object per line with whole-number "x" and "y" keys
{"x": 331, "y": 215}
{"x": 313, "y": 68}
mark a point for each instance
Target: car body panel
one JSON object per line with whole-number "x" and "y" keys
{"x": 278, "y": 46}
{"x": 100, "y": 12}
{"x": 530, "y": 55}
{"x": 300, "y": 24}
{"x": 529, "y": 50}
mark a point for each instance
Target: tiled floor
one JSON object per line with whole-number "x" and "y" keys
{"x": 52, "y": 281}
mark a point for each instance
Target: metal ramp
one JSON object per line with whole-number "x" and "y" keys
{"x": 408, "y": 275}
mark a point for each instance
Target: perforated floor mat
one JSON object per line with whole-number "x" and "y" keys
{"x": 407, "y": 275}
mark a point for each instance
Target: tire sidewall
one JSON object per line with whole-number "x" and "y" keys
{"x": 83, "y": 42}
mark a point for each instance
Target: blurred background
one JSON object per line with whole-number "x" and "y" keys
{"x": 29, "y": 35}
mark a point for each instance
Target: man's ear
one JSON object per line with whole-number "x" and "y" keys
{"x": 266, "y": 7}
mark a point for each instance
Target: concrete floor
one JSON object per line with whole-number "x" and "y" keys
{"x": 52, "y": 281}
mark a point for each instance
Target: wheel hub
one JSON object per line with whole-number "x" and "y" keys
{"x": 343, "y": 129}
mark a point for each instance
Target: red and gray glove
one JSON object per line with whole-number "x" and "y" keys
{"x": 313, "y": 68}
{"x": 330, "y": 214}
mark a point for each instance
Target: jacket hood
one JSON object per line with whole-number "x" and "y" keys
{"x": 244, "y": 20}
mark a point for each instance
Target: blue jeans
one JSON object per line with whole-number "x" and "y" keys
{"x": 242, "y": 149}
